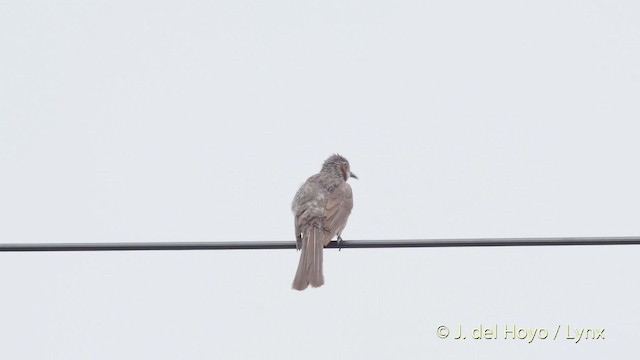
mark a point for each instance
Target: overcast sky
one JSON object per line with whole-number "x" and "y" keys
{"x": 198, "y": 120}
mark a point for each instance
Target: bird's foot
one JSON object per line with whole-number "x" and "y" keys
{"x": 339, "y": 241}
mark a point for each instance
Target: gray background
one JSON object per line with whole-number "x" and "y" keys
{"x": 198, "y": 120}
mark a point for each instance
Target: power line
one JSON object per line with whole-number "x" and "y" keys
{"x": 351, "y": 244}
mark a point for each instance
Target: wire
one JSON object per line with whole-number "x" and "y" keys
{"x": 355, "y": 244}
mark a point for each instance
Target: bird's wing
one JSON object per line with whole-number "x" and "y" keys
{"x": 337, "y": 210}
{"x": 308, "y": 207}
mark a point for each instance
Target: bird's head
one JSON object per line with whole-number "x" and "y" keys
{"x": 338, "y": 165}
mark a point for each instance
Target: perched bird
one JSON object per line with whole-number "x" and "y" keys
{"x": 321, "y": 208}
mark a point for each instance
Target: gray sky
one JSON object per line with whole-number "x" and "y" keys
{"x": 197, "y": 121}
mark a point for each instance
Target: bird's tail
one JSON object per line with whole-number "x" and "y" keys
{"x": 310, "y": 265}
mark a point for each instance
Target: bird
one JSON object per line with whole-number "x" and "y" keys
{"x": 321, "y": 208}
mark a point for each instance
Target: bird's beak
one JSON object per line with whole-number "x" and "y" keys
{"x": 353, "y": 175}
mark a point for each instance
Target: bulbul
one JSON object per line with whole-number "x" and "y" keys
{"x": 320, "y": 208}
